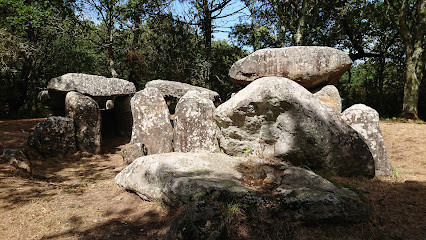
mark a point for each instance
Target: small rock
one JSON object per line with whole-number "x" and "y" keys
{"x": 132, "y": 152}
{"x": 16, "y": 158}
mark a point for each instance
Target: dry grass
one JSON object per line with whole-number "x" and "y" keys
{"x": 76, "y": 198}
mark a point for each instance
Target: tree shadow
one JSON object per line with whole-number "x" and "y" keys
{"x": 149, "y": 225}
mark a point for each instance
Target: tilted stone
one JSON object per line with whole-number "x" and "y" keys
{"x": 307, "y": 65}
{"x": 87, "y": 120}
{"x": 365, "y": 121}
{"x": 331, "y": 97}
{"x": 53, "y": 137}
{"x": 93, "y": 85}
{"x": 276, "y": 117}
{"x": 291, "y": 192}
{"x": 178, "y": 89}
{"x": 151, "y": 121}
{"x": 195, "y": 129}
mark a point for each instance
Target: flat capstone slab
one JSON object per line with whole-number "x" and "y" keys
{"x": 93, "y": 85}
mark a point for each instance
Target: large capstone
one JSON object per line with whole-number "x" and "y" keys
{"x": 195, "y": 129}
{"x": 151, "y": 121}
{"x": 87, "y": 120}
{"x": 309, "y": 66}
{"x": 365, "y": 121}
{"x": 331, "y": 97}
{"x": 93, "y": 85}
{"x": 53, "y": 137}
{"x": 276, "y": 117}
{"x": 279, "y": 190}
{"x": 178, "y": 89}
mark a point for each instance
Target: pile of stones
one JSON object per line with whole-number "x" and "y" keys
{"x": 258, "y": 149}
{"x": 75, "y": 97}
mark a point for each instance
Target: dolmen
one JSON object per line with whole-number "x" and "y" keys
{"x": 75, "y": 97}
{"x": 261, "y": 149}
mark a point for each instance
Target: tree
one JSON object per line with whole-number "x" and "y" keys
{"x": 205, "y": 13}
{"x": 300, "y": 22}
{"x": 257, "y": 33}
{"x": 37, "y": 38}
{"x": 410, "y": 18}
{"x": 108, "y": 13}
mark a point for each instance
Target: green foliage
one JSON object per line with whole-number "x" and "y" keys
{"x": 39, "y": 40}
{"x": 232, "y": 209}
{"x": 140, "y": 40}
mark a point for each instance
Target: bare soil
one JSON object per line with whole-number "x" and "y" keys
{"x": 76, "y": 197}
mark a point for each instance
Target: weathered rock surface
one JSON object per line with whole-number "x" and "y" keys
{"x": 123, "y": 116}
{"x": 331, "y": 97}
{"x": 151, "y": 121}
{"x": 194, "y": 126}
{"x": 309, "y": 66}
{"x": 178, "y": 89}
{"x": 276, "y": 117}
{"x": 53, "y": 137}
{"x": 200, "y": 221}
{"x": 132, "y": 152}
{"x": 365, "y": 121}
{"x": 87, "y": 120}
{"x": 92, "y": 85}
{"x": 16, "y": 158}
{"x": 290, "y": 192}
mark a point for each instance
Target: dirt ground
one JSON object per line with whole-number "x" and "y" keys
{"x": 76, "y": 197}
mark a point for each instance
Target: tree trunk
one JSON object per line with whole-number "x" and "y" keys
{"x": 413, "y": 33}
{"x": 414, "y": 70}
{"x": 301, "y": 24}
{"x": 110, "y": 38}
{"x": 206, "y": 27}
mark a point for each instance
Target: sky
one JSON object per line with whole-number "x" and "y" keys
{"x": 222, "y": 29}
{"x": 224, "y": 24}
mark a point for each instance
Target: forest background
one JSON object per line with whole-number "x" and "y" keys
{"x": 143, "y": 40}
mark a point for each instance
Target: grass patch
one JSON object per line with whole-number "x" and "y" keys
{"x": 84, "y": 183}
{"x": 74, "y": 190}
{"x": 396, "y": 172}
{"x": 402, "y": 120}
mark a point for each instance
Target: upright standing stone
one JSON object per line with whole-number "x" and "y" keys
{"x": 365, "y": 121}
{"x": 195, "y": 128}
{"x": 151, "y": 121}
{"x": 87, "y": 120}
{"x": 53, "y": 137}
{"x": 331, "y": 97}
{"x": 123, "y": 115}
